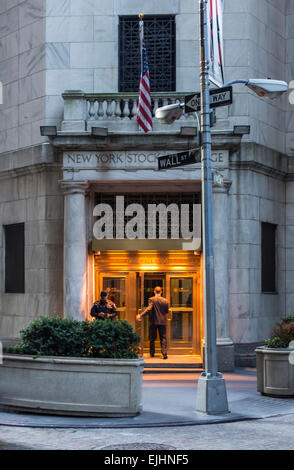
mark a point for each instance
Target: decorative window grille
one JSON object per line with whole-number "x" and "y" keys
{"x": 145, "y": 199}
{"x": 160, "y": 40}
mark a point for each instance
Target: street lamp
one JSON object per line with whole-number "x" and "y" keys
{"x": 211, "y": 390}
{"x": 266, "y": 88}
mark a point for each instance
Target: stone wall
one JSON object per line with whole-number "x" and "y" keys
{"x": 290, "y": 152}
{"x": 290, "y": 77}
{"x": 32, "y": 195}
{"x": 255, "y": 47}
{"x": 257, "y": 195}
{"x": 22, "y": 72}
{"x": 47, "y": 47}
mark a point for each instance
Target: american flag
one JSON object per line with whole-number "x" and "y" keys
{"x": 144, "y": 112}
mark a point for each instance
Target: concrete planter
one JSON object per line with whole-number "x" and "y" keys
{"x": 275, "y": 375}
{"x": 72, "y": 386}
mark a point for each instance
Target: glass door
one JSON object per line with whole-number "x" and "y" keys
{"x": 146, "y": 284}
{"x": 131, "y": 293}
{"x": 181, "y": 333}
{"x": 115, "y": 286}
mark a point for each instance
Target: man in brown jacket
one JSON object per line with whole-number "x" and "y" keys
{"x": 157, "y": 310}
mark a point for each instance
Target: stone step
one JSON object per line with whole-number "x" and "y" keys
{"x": 171, "y": 370}
{"x": 172, "y": 365}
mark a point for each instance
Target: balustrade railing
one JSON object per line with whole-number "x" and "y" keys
{"x": 83, "y": 110}
{"x": 124, "y": 106}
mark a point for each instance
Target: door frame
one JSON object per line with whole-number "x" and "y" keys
{"x": 131, "y": 264}
{"x": 196, "y": 335}
{"x": 99, "y": 285}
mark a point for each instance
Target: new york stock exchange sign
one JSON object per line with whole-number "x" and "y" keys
{"x": 116, "y": 160}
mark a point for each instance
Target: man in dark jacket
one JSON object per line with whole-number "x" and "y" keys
{"x": 105, "y": 308}
{"x": 157, "y": 310}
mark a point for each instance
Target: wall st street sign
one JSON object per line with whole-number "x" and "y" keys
{"x": 218, "y": 97}
{"x": 179, "y": 159}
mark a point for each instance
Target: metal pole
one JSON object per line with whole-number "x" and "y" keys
{"x": 211, "y": 389}
{"x": 142, "y": 308}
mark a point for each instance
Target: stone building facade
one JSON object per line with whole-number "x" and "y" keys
{"x": 60, "y": 66}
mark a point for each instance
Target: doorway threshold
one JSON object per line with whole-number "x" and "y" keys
{"x": 172, "y": 364}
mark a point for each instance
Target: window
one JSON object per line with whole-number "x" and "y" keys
{"x": 268, "y": 257}
{"x": 14, "y": 258}
{"x": 159, "y": 34}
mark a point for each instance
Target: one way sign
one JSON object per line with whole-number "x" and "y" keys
{"x": 218, "y": 97}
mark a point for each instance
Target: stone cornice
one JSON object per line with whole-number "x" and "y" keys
{"x": 128, "y": 141}
{"x": 259, "y": 168}
{"x": 221, "y": 140}
{"x": 30, "y": 169}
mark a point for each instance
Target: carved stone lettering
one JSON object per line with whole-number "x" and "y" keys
{"x": 127, "y": 160}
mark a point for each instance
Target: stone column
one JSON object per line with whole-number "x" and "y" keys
{"x": 75, "y": 251}
{"x": 221, "y": 227}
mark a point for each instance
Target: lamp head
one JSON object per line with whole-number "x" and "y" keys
{"x": 170, "y": 113}
{"x": 267, "y": 88}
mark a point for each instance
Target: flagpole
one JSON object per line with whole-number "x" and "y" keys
{"x": 141, "y": 34}
{"x": 219, "y": 43}
{"x": 144, "y": 109}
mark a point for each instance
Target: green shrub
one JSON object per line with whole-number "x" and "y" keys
{"x": 282, "y": 334}
{"x": 289, "y": 319}
{"x": 275, "y": 342}
{"x": 66, "y": 337}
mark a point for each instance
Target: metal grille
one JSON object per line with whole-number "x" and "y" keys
{"x": 159, "y": 33}
{"x": 145, "y": 199}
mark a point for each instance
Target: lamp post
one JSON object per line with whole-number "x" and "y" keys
{"x": 211, "y": 390}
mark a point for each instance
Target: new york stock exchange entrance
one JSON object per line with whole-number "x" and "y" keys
{"x": 130, "y": 277}
{"x": 92, "y": 176}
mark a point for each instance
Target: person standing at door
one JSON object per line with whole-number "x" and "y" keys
{"x": 104, "y": 308}
{"x": 157, "y": 311}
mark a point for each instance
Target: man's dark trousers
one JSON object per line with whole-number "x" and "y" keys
{"x": 162, "y": 336}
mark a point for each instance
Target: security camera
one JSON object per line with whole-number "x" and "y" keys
{"x": 170, "y": 113}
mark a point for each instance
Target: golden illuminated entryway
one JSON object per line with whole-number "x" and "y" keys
{"x": 130, "y": 278}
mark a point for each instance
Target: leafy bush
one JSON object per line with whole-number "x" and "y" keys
{"x": 288, "y": 319}
{"x": 66, "y": 337}
{"x": 282, "y": 334}
{"x": 275, "y": 342}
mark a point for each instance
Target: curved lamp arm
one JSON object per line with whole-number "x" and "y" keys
{"x": 233, "y": 82}
{"x": 266, "y": 88}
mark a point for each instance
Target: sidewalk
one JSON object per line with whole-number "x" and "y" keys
{"x": 169, "y": 400}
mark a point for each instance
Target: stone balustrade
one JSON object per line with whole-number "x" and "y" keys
{"x": 116, "y": 111}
